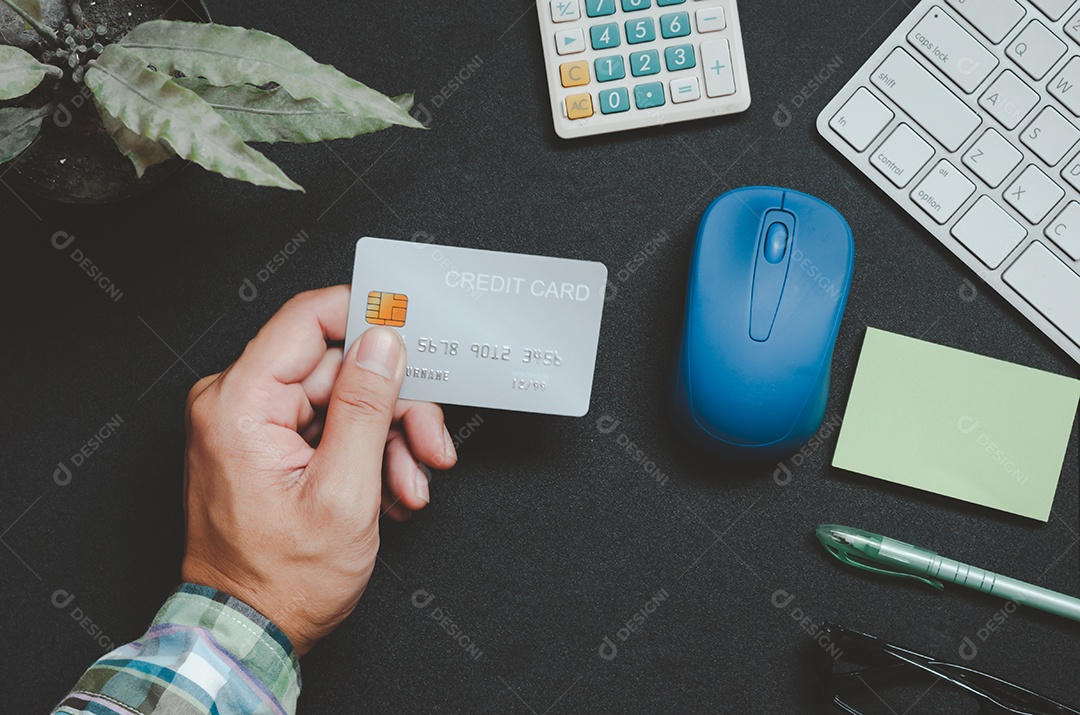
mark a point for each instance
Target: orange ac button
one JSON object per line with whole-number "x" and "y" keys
{"x": 579, "y": 106}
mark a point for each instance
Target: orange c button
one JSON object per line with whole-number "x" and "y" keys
{"x": 574, "y": 74}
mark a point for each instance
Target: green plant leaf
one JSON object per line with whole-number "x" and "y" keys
{"x": 18, "y": 129}
{"x": 227, "y": 56}
{"x": 19, "y": 72}
{"x": 30, "y": 7}
{"x": 151, "y": 105}
{"x": 142, "y": 152}
{"x": 272, "y": 115}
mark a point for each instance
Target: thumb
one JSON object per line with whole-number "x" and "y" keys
{"x": 349, "y": 456}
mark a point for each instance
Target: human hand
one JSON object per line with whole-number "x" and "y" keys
{"x": 291, "y": 452}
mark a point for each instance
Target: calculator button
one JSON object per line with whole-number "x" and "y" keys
{"x": 599, "y": 8}
{"x": 605, "y": 36}
{"x": 565, "y": 10}
{"x": 574, "y": 74}
{"x": 716, "y": 61}
{"x": 711, "y": 19}
{"x": 861, "y": 119}
{"x": 613, "y": 101}
{"x": 570, "y": 42}
{"x": 638, "y": 31}
{"x": 631, "y": 5}
{"x": 579, "y": 106}
{"x": 663, "y": 3}
{"x": 686, "y": 89}
{"x": 610, "y": 68}
{"x": 644, "y": 63}
{"x": 649, "y": 95}
{"x": 677, "y": 24}
{"x": 679, "y": 57}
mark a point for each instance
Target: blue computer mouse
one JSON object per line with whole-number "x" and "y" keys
{"x": 769, "y": 281}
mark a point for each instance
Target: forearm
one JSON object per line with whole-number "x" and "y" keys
{"x": 205, "y": 653}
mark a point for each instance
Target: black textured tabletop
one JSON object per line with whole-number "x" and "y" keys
{"x": 553, "y": 534}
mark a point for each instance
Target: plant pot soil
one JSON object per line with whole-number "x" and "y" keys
{"x": 74, "y": 160}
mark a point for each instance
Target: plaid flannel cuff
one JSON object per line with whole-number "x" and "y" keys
{"x": 206, "y": 652}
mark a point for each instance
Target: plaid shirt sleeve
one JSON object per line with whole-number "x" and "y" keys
{"x": 205, "y": 653}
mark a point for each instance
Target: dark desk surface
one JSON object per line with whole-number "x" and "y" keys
{"x": 550, "y": 535}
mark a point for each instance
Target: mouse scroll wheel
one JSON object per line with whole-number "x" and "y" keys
{"x": 776, "y": 240}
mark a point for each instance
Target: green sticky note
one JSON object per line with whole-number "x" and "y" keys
{"x": 953, "y": 423}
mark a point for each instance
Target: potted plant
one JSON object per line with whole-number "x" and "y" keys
{"x": 83, "y": 88}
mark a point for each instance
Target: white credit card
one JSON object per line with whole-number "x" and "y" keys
{"x": 484, "y": 328}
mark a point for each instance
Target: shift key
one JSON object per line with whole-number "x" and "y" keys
{"x": 925, "y": 99}
{"x": 952, "y": 49}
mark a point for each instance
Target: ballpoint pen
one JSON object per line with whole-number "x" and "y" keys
{"x": 880, "y": 554}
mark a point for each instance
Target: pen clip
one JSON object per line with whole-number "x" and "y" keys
{"x": 848, "y": 558}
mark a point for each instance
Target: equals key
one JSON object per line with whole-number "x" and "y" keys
{"x": 952, "y": 49}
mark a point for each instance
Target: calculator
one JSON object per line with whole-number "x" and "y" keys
{"x": 623, "y": 64}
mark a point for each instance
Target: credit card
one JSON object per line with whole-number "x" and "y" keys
{"x": 483, "y": 328}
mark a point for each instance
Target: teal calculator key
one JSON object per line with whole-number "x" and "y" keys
{"x": 643, "y": 63}
{"x": 599, "y": 8}
{"x": 605, "y": 36}
{"x": 631, "y": 5}
{"x": 649, "y": 95}
{"x": 677, "y": 24}
{"x": 613, "y": 101}
{"x": 663, "y": 3}
{"x": 679, "y": 57}
{"x": 609, "y": 68}
{"x": 638, "y": 31}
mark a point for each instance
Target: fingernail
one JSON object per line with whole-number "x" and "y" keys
{"x": 379, "y": 351}
{"x": 448, "y": 445}
{"x": 422, "y": 477}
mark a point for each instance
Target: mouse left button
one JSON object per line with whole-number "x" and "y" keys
{"x": 776, "y": 241}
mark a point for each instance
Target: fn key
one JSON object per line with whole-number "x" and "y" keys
{"x": 1047, "y": 283}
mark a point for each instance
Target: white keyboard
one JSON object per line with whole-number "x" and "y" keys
{"x": 624, "y": 64}
{"x": 969, "y": 118}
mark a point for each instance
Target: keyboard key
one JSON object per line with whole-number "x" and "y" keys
{"x": 1053, "y": 9}
{"x": 1071, "y": 173}
{"x": 632, "y": 5}
{"x": 711, "y": 19}
{"x": 1050, "y": 135}
{"x": 644, "y": 63}
{"x": 663, "y": 3}
{"x": 677, "y": 24}
{"x": 716, "y": 61}
{"x": 686, "y": 89}
{"x": 599, "y": 8}
{"x": 613, "y": 101}
{"x": 565, "y": 10}
{"x": 609, "y": 68}
{"x": 1033, "y": 194}
{"x": 1066, "y": 86}
{"x": 1036, "y": 49}
{"x": 1065, "y": 230}
{"x": 638, "y": 31}
{"x": 579, "y": 106}
{"x": 570, "y": 42}
{"x": 993, "y": 18}
{"x": 1072, "y": 27}
{"x": 1049, "y": 285}
{"x": 574, "y": 74}
{"x": 902, "y": 155}
{"x": 605, "y": 36}
{"x": 989, "y": 232}
{"x": 679, "y": 57}
{"x": 861, "y": 119}
{"x": 647, "y": 96}
{"x": 1009, "y": 99}
{"x": 925, "y": 99}
{"x": 952, "y": 49}
{"x": 942, "y": 192}
{"x": 992, "y": 158}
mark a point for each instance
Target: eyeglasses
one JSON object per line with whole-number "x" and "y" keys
{"x": 864, "y": 675}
